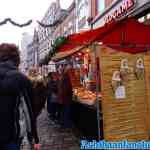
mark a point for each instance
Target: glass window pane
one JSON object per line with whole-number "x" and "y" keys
{"x": 100, "y": 5}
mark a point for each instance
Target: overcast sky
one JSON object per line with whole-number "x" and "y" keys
{"x": 21, "y": 11}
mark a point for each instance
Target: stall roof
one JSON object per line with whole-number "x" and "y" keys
{"x": 84, "y": 37}
{"x": 64, "y": 54}
{"x": 127, "y": 35}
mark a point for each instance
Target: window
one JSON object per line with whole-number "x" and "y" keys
{"x": 70, "y": 24}
{"x": 82, "y": 12}
{"x": 100, "y": 5}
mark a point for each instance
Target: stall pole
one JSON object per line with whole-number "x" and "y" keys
{"x": 97, "y": 91}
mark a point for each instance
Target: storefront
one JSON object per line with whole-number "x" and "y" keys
{"x": 112, "y": 78}
{"x": 121, "y": 9}
{"x": 83, "y": 78}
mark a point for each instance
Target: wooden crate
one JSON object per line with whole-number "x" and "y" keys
{"x": 128, "y": 117}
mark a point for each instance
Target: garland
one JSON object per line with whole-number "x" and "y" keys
{"x": 4, "y": 21}
{"x": 14, "y": 23}
{"x": 20, "y": 25}
{"x": 57, "y": 44}
{"x": 55, "y": 23}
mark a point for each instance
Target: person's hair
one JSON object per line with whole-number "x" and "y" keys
{"x": 9, "y": 52}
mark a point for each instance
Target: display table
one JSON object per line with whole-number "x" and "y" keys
{"x": 85, "y": 120}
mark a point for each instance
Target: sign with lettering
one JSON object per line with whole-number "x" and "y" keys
{"x": 123, "y": 8}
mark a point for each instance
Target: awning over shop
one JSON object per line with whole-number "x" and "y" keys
{"x": 64, "y": 54}
{"x": 84, "y": 38}
{"x": 127, "y": 35}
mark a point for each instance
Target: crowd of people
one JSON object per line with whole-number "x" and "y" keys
{"x": 22, "y": 99}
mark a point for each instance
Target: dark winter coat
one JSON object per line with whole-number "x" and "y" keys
{"x": 12, "y": 82}
{"x": 52, "y": 87}
{"x": 39, "y": 96}
{"x": 65, "y": 89}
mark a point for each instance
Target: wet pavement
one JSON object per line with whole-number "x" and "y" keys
{"x": 52, "y": 137}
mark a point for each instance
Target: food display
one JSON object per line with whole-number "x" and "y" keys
{"x": 83, "y": 77}
{"x": 85, "y": 96}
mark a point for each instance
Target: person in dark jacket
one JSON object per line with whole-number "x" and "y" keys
{"x": 49, "y": 80}
{"x": 12, "y": 85}
{"x": 39, "y": 91}
{"x": 66, "y": 92}
{"x": 53, "y": 97}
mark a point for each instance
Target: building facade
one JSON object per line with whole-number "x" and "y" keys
{"x": 45, "y": 34}
{"x": 25, "y": 41}
{"x": 106, "y": 11}
{"x": 30, "y": 55}
{"x": 32, "y": 51}
{"x": 82, "y": 14}
{"x": 68, "y": 26}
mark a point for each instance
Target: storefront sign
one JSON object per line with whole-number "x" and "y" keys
{"x": 125, "y": 6}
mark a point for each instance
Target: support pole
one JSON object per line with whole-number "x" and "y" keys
{"x": 97, "y": 91}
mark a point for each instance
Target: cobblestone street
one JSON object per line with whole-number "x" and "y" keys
{"x": 51, "y": 138}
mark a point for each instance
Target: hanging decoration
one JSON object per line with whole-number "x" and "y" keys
{"x": 20, "y": 25}
{"x": 4, "y": 21}
{"x": 55, "y": 23}
{"x": 14, "y": 23}
{"x": 61, "y": 40}
{"x": 55, "y": 47}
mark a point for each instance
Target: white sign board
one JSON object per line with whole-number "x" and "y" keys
{"x": 120, "y": 92}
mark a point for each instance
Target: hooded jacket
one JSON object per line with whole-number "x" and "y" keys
{"x": 12, "y": 83}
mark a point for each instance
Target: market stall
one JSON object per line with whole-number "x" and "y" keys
{"x": 86, "y": 94}
{"x": 115, "y": 64}
{"x": 125, "y": 101}
{"x": 125, "y": 81}
{"x": 83, "y": 79}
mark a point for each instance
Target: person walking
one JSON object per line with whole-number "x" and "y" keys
{"x": 53, "y": 96}
{"x": 39, "y": 91}
{"x": 66, "y": 92}
{"x": 16, "y": 113}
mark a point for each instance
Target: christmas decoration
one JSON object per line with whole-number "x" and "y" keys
{"x": 14, "y": 23}
{"x": 20, "y": 25}
{"x": 55, "y": 23}
{"x": 59, "y": 42}
{"x": 4, "y": 21}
